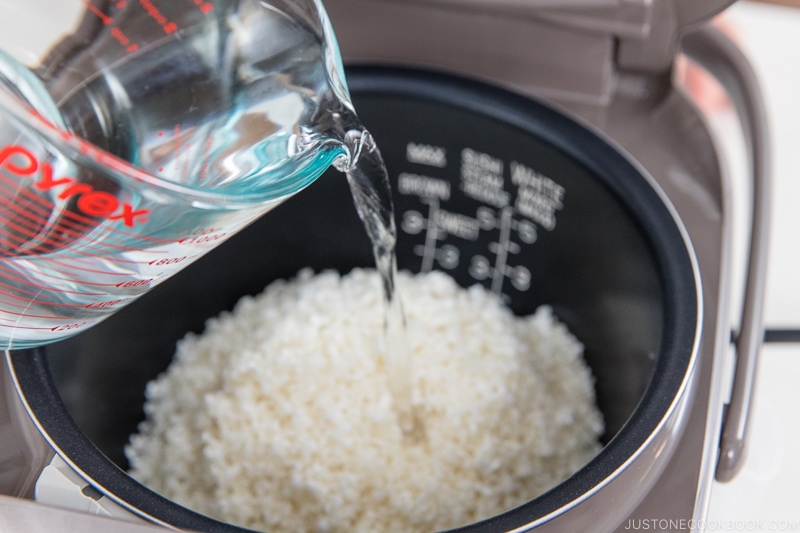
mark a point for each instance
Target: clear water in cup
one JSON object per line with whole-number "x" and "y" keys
{"x": 148, "y": 133}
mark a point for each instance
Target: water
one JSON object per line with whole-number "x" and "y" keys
{"x": 240, "y": 111}
{"x": 369, "y": 183}
{"x": 223, "y": 117}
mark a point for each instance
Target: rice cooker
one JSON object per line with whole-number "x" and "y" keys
{"x": 600, "y": 193}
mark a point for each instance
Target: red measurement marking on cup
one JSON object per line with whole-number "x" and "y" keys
{"x": 186, "y": 160}
{"x": 19, "y": 236}
{"x": 20, "y": 162}
{"x": 26, "y": 315}
{"x": 23, "y": 304}
{"x": 69, "y": 279}
{"x": 202, "y": 239}
{"x": 27, "y": 228}
{"x": 74, "y": 267}
{"x": 206, "y": 231}
{"x": 204, "y": 236}
{"x": 135, "y": 283}
{"x": 78, "y": 253}
{"x": 25, "y": 307}
{"x": 104, "y": 305}
{"x": 123, "y": 39}
{"x": 205, "y": 7}
{"x": 178, "y": 150}
{"x": 105, "y": 19}
{"x": 168, "y": 261}
{"x": 126, "y": 284}
{"x": 59, "y": 236}
{"x": 27, "y": 215}
{"x": 31, "y": 227}
{"x": 19, "y": 326}
{"x": 206, "y": 152}
{"x": 69, "y": 271}
{"x": 167, "y": 25}
{"x": 116, "y": 32}
{"x": 18, "y": 240}
{"x": 10, "y": 275}
{"x": 67, "y": 327}
{"x": 12, "y": 192}
{"x": 24, "y": 207}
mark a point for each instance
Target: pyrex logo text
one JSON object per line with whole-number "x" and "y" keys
{"x": 21, "y": 162}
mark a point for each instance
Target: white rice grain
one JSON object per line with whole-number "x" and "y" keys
{"x": 279, "y": 418}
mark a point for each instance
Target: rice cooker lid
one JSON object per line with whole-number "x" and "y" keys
{"x": 674, "y": 364}
{"x": 647, "y": 31}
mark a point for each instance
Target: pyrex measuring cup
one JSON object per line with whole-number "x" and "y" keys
{"x": 135, "y": 136}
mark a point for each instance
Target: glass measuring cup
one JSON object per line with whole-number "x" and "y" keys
{"x": 135, "y": 136}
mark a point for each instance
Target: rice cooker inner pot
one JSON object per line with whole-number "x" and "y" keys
{"x": 595, "y": 241}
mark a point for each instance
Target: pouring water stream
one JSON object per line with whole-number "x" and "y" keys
{"x": 369, "y": 185}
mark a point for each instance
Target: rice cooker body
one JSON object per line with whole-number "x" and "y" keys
{"x": 598, "y": 240}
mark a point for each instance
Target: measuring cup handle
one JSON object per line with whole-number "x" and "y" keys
{"x": 716, "y": 53}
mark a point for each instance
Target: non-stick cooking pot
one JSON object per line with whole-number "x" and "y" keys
{"x": 552, "y": 215}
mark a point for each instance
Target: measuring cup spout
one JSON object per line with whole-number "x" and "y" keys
{"x": 353, "y": 143}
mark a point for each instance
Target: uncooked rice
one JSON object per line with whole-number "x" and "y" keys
{"x": 278, "y": 417}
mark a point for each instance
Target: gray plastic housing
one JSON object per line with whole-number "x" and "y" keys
{"x": 570, "y": 52}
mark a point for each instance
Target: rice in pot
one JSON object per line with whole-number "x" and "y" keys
{"x": 279, "y": 418}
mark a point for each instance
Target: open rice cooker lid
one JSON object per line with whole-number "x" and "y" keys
{"x": 527, "y": 120}
{"x": 648, "y": 30}
{"x": 572, "y": 53}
